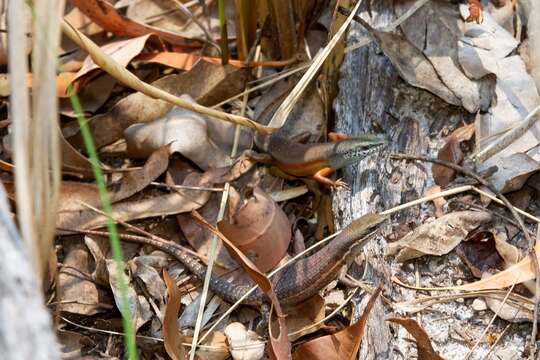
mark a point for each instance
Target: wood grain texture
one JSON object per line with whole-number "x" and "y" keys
{"x": 374, "y": 99}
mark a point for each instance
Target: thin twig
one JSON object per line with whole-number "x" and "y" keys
{"x": 496, "y": 342}
{"x": 508, "y": 138}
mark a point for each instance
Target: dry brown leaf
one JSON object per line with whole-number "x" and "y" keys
{"x": 73, "y": 162}
{"x": 280, "y": 346}
{"x": 122, "y": 51}
{"x": 105, "y": 15}
{"x": 144, "y": 268}
{"x": 259, "y": 228}
{"x": 464, "y": 133}
{"x": 208, "y": 84}
{"x": 438, "y": 237}
{"x": 515, "y": 274}
{"x": 480, "y": 254}
{"x": 341, "y": 345}
{"x": 75, "y": 293}
{"x": 91, "y": 96}
{"x": 172, "y": 338}
{"x": 423, "y": 343}
{"x": 178, "y": 202}
{"x": 62, "y": 81}
{"x": 186, "y": 61}
{"x": 138, "y": 304}
{"x": 201, "y": 239}
{"x": 301, "y": 317}
{"x": 450, "y": 152}
{"x": 74, "y": 194}
{"x": 513, "y": 171}
{"x": 307, "y": 116}
{"x": 415, "y": 67}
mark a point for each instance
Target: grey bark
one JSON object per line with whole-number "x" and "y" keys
{"x": 374, "y": 99}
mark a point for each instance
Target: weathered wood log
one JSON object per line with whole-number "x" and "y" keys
{"x": 373, "y": 98}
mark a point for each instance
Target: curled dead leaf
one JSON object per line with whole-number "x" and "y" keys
{"x": 341, "y": 345}
{"x": 450, "y": 152}
{"x": 260, "y": 229}
{"x": 480, "y": 254}
{"x": 105, "y": 15}
{"x": 184, "y": 131}
{"x": 423, "y": 343}
{"x": 172, "y": 338}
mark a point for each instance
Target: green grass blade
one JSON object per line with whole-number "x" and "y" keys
{"x": 129, "y": 332}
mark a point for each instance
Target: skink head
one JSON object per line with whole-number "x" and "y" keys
{"x": 354, "y": 149}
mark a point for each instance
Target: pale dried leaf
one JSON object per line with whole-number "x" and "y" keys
{"x": 244, "y": 344}
{"x": 438, "y": 237}
{"x": 184, "y": 131}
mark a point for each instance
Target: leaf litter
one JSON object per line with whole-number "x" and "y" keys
{"x": 464, "y": 54}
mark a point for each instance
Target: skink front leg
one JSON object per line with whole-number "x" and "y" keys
{"x": 322, "y": 177}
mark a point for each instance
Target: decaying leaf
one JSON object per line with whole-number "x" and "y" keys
{"x": 74, "y": 195}
{"x": 91, "y": 96}
{"x": 184, "y": 131}
{"x": 423, "y": 343}
{"x": 75, "y": 293}
{"x": 515, "y": 274}
{"x": 177, "y": 202}
{"x": 438, "y": 237}
{"x": 480, "y": 254}
{"x": 105, "y": 15}
{"x": 341, "y": 345}
{"x": 244, "y": 344}
{"x": 138, "y": 305}
{"x": 280, "y": 346}
{"x": 122, "y": 51}
{"x": 301, "y": 317}
{"x": 220, "y": 83}
{"x": 513, "y": 171}
{"x": 141, "y": 269}
{"x": 451, "y": 152}
{"x": 259, "y": 228}
{"x": 171, "y": 334}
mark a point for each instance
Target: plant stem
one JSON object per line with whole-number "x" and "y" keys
{"x": 224, "y": 41}
{"x": 127, "y": 322}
